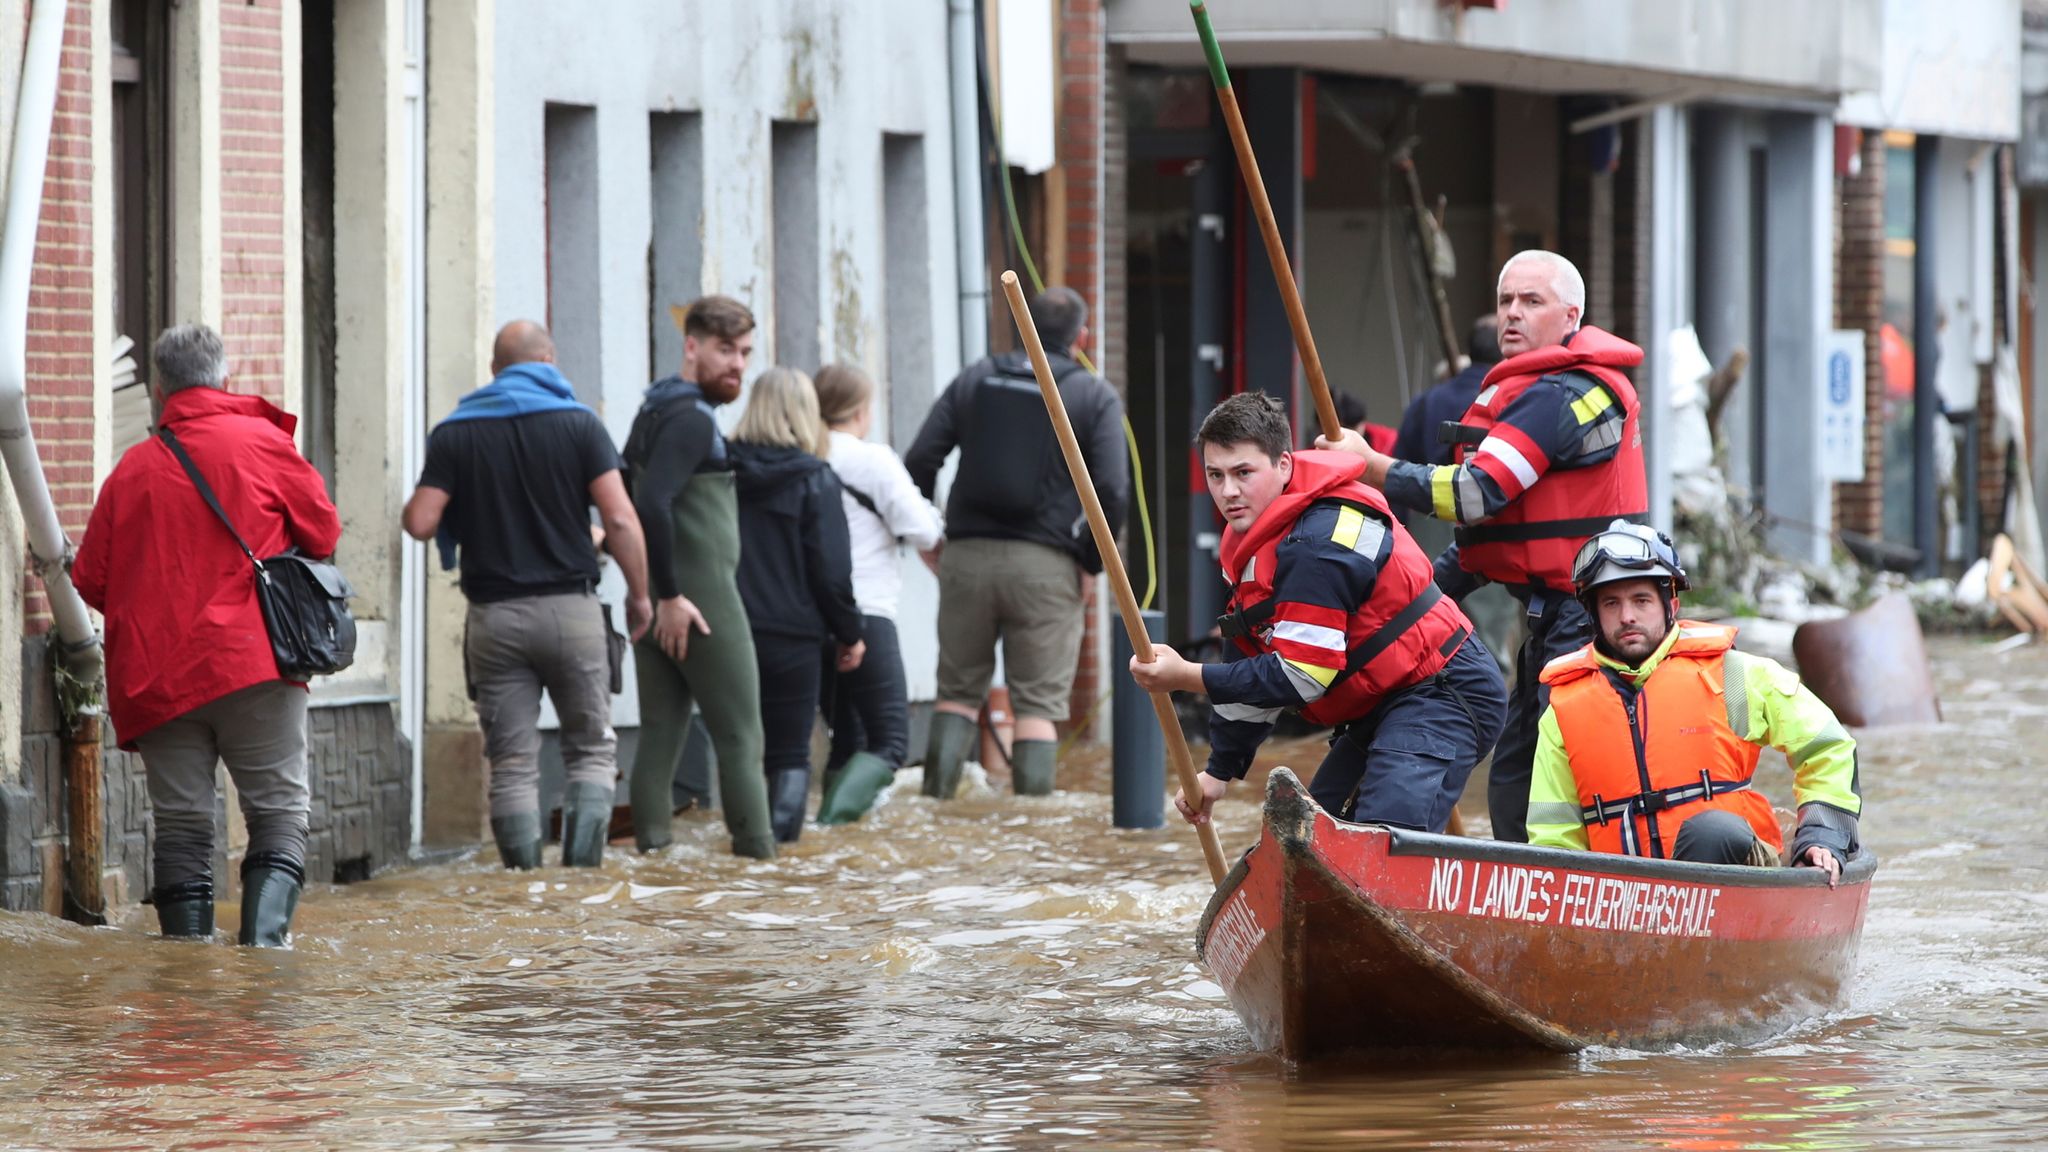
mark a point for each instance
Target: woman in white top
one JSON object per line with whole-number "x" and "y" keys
{"x": 868, "y": 707}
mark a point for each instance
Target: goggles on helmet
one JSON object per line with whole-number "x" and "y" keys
{"x": 1631, "y": 548}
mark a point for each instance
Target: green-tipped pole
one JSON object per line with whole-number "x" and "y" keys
{"x": 1262, "y": 207}
{"x": 1276, "y": 251}
{"x": 1210, "y": 48}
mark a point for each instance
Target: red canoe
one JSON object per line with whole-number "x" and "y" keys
{"x": 1332, "y": 937}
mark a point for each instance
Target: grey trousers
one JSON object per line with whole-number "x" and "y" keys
{"x": 516, "y": 648}
{"x": 260, "y": 732}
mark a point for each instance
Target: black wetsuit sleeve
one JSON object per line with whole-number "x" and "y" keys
{"x": 680, "y": 442}
{"x": 828, "y": 559}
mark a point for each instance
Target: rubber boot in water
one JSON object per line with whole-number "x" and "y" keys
{"x": 185, "y": 909}
{"x": 1032, "y": 764}
{"x": 270, "y": 894}
{"x": 951, "y": 734}
{"x": 754, "y": 847}
{"x": 852, "y": 789}
{"x": 789, "y": 793}
{"x": 586, "y": 818}
{"x": 518, "y": 837}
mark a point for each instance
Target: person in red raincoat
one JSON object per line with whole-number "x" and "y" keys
{"x": 190, "y": 674}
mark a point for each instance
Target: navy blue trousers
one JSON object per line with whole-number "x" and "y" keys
{"x": 1558, "y": 626}
{"x": 869, "y": 707}
{"x": 1405, "y": 763}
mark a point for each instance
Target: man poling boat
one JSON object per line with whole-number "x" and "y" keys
{"x": 1337, "y": 617}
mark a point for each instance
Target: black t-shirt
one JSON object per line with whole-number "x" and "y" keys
{"x": 519, "y": 500}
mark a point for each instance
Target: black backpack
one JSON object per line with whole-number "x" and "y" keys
{"x": 1010, "y": 462}
{"x": 304, "y": 600}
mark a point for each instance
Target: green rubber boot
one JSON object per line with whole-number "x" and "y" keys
{"x": 1032, "y": 764}
{"x": 951, "y": 736}
{"x": 754, "y": 846}
{"x": 852, "y": 789}
{"x": 270, "y": 894}
{"x": 518, "y": 837}
{"x": 586, "y": 819}
{"x": 185, "y": 909}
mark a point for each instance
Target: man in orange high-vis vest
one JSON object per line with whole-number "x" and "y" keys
{"x": 1334, "y": 615}
{"x": 1550, "y": 451}
{"x": 1654, "y": 730}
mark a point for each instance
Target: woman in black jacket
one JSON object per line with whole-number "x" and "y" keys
{"x": 795, "y": 576}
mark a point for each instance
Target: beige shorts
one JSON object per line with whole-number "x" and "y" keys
{"x": 1026, "y": 595}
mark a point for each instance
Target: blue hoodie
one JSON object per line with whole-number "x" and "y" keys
{"x": 520, "y": 390}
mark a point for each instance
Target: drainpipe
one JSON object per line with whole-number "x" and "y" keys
{"x": 78, "y": 662}
{"x": 969, "y": 249}
{"x": 1926, "y": 355}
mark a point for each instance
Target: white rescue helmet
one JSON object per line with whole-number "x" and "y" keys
{"x": 1628, "y": 551}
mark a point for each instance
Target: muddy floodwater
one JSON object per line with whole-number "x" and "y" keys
{"x": 998, "y": 973}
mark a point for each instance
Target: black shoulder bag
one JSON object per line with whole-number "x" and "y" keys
{"x": 304, "y": 601}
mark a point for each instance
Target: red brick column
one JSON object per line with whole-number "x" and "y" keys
{"x": 61, "y": 354}
{"x": 252, "y": 205}
{"x": 1859, "y": 303}
{"x": 1083, "y": 120}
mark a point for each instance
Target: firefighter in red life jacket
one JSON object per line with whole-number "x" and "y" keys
{"x": 1654, "y": 730}
{"x": 1550, "y": 451}
{"x": 1335, "y": 615}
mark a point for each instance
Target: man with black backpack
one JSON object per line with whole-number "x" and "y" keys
{"x": 192, "y": 674}
{"x": 1017, "y": 546}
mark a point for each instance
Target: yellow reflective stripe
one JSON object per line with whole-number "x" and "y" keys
{"x": 1349, "y": 522}
{"x": 1829, "y": 737}
{"x": 1588, "y": 407}
{"x": 1320, "y": 675}
{"x": 1554, "y": 819}
{"x": 1551, "y": 812}
{"x": 1442, "y": 495}
{"x": 1735, "y": 671}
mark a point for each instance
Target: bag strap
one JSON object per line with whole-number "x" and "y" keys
{"x": 170, "y": 440}
{"x": 864, "y": 500}
{"x": 868, "y": 502}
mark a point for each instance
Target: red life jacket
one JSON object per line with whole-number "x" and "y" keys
{"x": 1691, "y": 759}
{"x": 1533, "y": 539}
{"x": 1403, "y": 633}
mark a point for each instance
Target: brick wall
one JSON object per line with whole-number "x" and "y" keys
{"x": 1991, "y": 453}
{"x": 362, "y": 793}
{"x": 34, "y": 816}
{"x": 61, "y": 356}
{"x": 1587, "y": 212}
{"x": 252, "y": 194}
{"x": 1083, "y": 58}
{"x": 1631, "y": 225}
{"x": 1859, "y": 303}
{"x": 361, "y": 819}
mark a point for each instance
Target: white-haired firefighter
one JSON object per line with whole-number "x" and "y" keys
{"x": 1548, "y": 453}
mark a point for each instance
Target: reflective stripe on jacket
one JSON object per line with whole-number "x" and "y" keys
{"x": 1401, "y": 635}
{"x": 1533, "y": 539}
{"x": 1702, "y": 711}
